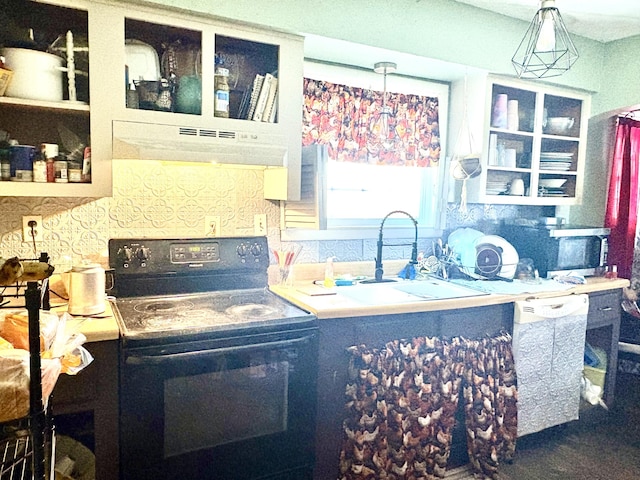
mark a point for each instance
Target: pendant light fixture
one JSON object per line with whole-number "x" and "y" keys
{"x": 546, "y": 49}
{"x": 384, "y": 68}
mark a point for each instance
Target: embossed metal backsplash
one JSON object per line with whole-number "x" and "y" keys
{"x": 166, "y": 200}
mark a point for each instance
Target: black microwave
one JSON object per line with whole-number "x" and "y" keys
{"x": 560, "y": 249}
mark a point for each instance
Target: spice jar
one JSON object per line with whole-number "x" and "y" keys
{"x": 62, "y": 169}
{"x": 221, "y": 100}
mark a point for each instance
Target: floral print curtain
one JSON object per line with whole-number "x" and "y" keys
{"x": 401, "y": 402}
{"x": 348, "y": 120}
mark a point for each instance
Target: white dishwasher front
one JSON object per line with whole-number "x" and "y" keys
{"x": 548, "y": 349}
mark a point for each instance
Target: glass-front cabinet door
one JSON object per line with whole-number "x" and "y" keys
{"x": 210, "y": 84}
{"x": 170, "y": 69}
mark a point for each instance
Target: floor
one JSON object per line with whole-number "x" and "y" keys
{"x": 600, "y": 446}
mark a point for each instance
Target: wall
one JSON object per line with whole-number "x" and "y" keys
{"x": 154, "y": 200}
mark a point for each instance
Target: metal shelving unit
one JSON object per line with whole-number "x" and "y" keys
{"x": 27, "y": 444}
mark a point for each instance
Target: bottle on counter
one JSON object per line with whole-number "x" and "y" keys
{"x": 221, "y": 100}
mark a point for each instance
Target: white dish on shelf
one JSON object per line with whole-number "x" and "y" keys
{"x": 556, "y": 154}
{"x": 552, "y": 182}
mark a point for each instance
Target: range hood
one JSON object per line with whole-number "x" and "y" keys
{"x": 151, "y": 141}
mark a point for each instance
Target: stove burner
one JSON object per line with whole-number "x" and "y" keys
{"x": 251, "y": 310}
{"x": 164, "y": 306}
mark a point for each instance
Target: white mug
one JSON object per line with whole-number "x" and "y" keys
{"x": 517, "y": 187}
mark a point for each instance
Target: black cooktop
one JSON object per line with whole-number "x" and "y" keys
{"x": 178, "y": 290}
{"x": 205, "y": 312}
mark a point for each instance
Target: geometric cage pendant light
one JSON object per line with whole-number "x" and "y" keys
{"x": 546, "y": 49}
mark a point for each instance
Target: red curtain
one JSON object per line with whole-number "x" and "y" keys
{"x": 348, "y": 120}
{"x": 622, "y": 202}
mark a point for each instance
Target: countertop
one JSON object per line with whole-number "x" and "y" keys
{"x": 328, "y": 303}
{"x": 96, "y": 328}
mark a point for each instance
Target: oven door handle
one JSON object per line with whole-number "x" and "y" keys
{"x": 168, "y": 357}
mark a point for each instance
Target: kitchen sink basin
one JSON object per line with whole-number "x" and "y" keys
{"x": 406, "y": 291}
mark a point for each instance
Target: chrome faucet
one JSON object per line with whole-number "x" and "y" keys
{"x": 414, "y": 250}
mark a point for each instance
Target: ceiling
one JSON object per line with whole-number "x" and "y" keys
{"x": 601, "y": 20}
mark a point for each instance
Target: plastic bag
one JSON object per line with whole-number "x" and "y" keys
{"x": 63, "y": 353}
{"x": 14, "y": 382}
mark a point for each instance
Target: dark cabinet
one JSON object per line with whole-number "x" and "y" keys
{"x": 86, "y": 407}
{"x": 336, "y": 335}
{"x": 603, "y": 331}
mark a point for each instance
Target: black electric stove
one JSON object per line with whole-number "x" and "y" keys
{"x": 175, "y": 290}
{"x": 217, "y": 374}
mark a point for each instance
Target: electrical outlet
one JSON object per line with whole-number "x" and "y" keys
{"x": 260, "y": 224}
{"x": 212, "y": 225}
{"x": 27, "y": 222}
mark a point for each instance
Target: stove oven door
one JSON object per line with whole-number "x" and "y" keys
{"x": 233, "y": 410}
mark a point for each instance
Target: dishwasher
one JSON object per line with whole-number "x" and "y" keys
{"x": 548, "y": 348}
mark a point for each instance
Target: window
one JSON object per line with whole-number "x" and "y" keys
{"x": 359, "y": 195}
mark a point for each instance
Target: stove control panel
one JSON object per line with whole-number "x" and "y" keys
{"x": 175, "y": 256}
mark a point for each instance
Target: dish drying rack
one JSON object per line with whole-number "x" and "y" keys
{"x": 27, "y": 443}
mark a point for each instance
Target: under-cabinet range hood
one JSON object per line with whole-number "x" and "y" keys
{"x": 147, "y": 141}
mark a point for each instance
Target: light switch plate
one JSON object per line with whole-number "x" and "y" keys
{"x": 260, "y": 224}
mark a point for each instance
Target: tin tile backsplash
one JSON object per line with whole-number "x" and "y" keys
{"x": 152, "y": 199}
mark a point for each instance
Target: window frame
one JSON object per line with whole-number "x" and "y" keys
{"x": 363, "y": 78}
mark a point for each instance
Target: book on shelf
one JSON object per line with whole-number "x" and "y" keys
{"x": 274, "y": 109}
{"x": 255, "y": 93}
{"x": 271, "y": 105}
{"x": 262, "y": 98}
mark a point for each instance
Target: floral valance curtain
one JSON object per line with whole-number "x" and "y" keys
{"x": 348, "y": 120}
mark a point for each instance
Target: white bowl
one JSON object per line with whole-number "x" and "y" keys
{"x": 552, "y": 182}
{"x": 559, "y": 125}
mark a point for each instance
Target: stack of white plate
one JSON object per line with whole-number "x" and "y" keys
{"x": 496, "y": 187}
{"x": 557, "y": 161}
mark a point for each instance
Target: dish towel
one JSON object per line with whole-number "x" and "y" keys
{"x": 548, "y": 350}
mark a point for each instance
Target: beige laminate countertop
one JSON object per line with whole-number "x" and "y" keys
{"x": 329, "y": 303}
{"x": 96, "y": 328}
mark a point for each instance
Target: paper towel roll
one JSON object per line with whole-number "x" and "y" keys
{"x": 499, "y": 117}
{"x": 512, "y": 115}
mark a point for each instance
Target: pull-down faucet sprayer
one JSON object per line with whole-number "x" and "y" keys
{"x": 414, "y": 250}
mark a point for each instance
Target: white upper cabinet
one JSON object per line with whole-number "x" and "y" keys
{"x": 533, "y": 144}
{"x": 187, "y": 88}
{"x": 151, "y": 94}
{"x": 69, "y": 123}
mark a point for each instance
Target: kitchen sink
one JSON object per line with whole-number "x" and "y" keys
{"x": 405, "y": 291}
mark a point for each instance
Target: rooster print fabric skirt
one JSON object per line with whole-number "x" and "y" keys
{"x": 401, "y": 402}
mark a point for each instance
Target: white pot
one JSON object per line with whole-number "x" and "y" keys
{"x": 36, "y": 75}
